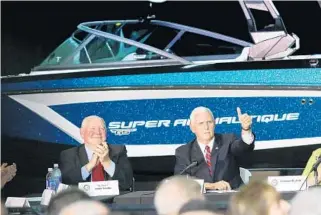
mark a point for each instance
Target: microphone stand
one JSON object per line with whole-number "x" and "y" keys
{"x": 305, "y": 181}
{"x": 315, "y": 169}
{"x": 188, "y": 167}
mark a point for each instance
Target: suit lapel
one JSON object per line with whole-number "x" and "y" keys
{"x": 196, "y": 154}
{"x": 110, "y": 153}
{"x": 214, "y": 154}
{"x": 83, "y": 158}
{"x": 202, "y": 170}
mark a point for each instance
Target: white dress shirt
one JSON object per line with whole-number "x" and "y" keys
{"x": 202, "y": 146}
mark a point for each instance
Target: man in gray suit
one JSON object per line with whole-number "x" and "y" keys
{"x": 215, "y": 154}
{"x": 95, "y": 160}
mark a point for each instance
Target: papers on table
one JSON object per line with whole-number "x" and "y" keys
{"x": 221, "y": 191}
{"x": 34, "y": 199}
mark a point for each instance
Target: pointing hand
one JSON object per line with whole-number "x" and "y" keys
{"x": 245, "y": 119}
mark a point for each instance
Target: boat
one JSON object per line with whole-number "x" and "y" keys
{"x": 145, "y": 76}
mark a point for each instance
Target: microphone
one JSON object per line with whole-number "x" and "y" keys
{"x": 194, "y": 163}
{"x": 314, "y": 168}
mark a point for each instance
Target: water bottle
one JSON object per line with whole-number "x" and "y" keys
{"x": 49, "y": 179}
{"x": 56, "y": 175}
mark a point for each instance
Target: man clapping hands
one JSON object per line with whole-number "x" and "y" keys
{"x": 95, "y": 160}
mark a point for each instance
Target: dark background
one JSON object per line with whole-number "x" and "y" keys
{"x": 31, "y": 30}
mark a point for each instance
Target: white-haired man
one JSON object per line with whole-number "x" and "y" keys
{"x": 174, "y": 192}
{"x": 95, "y": 160}
{"x": 214, "y": 153}
{"x": 85, "y": 207}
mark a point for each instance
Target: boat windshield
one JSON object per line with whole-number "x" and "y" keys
{"x": 85, "y": 48}
{"x": 128, "y": 41}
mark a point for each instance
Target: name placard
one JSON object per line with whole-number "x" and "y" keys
{"x": 17, "y": 202}
{"x": 201, "y": 183}
{"x": 62, "y": 187}
{"x": 100, "y": 188}
{"x": 47, "y": 194}
{"x": 287, "y": 183}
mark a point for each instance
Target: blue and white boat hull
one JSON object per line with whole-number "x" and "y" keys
{"x": 149, "y": 112}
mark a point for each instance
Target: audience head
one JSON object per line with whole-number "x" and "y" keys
{"x": 65, "y": 198}
{"x": 85, "y": 207}
{"x": 202, "y": 124}
{"x": 199, "y": 207}
{"x": 93, "y": 130}
{"x": 173, "y": 192}
{"x": 257, "y": 198}
{"x": 307, "y": 202}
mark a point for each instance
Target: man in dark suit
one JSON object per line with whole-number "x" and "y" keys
{"x": 215, "y": 154}
{"x": 95, "y": 160}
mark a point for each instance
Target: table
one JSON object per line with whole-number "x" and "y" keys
{"x": 142, "y": 201}
{"x": 146, "y": 197}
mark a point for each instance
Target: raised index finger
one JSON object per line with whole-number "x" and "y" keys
{"x": 239, "y": 113}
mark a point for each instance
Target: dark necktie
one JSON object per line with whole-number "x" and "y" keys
{"x": 208, "y": 159}
{"x": 98, "y": 173}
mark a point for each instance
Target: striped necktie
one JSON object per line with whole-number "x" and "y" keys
{"x": 208, "y": 159}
